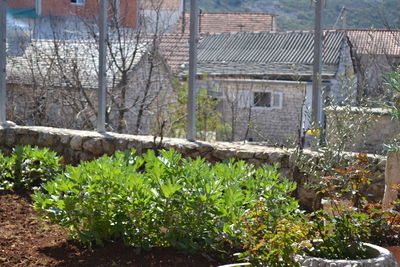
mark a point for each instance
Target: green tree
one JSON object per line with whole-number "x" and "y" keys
{"x": 208, "y": 119}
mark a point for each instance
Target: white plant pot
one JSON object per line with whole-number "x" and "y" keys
{"x": 380, "y": 257}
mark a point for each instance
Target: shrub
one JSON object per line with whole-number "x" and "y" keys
{"x": 160, "y": 200}
{"x": 274, "y": 237}
{"x": 339, "y": 235}
{"x": 28, "y": 167}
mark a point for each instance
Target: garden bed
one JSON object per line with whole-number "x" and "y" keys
{"x": 26, "y": 240}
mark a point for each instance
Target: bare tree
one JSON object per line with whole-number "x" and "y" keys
{"x": 63, "y": 73}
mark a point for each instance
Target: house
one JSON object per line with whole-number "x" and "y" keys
{"x": 376, "y": 53}
{"x": 54, "y": 84}
{"x": 264, "y": 79}
{"x": 67, "y": 18}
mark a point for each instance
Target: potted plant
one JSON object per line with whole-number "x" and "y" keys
{"x": 384, "y": 225}
{"x": 348, "y": 221}
{"x": 338, "y": 239}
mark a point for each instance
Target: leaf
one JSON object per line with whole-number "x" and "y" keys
{"x": 169, "y": 189}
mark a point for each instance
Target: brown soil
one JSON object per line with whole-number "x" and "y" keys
{"x": 27, "y": 240}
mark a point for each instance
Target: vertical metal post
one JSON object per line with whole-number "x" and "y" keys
{"x": 183, "y": 16}
{"x": 3, "y": 58}
{"x": 318, "y": 40}
{"x": 101, "y": 112}
{"x": 194, "y": 33}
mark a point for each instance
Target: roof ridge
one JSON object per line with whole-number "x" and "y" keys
{"x": 236, "y": 13}
{"x": 360, "y": 29}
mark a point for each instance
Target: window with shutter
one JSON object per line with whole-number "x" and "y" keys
{"x": 244, "y": 98}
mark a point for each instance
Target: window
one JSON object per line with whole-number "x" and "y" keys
{"x": 267, "y": 99}
{"x": 78, "y": 2}
{"x": 262, "y": 99}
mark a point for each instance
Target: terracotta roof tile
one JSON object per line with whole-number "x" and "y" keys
{"x": 378, "y": 42}
{"x": 231, "y": 22}
{"x": 175, "y": 50}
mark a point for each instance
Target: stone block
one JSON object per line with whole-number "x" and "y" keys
{"x": 10, "y": 137}
{"x": 30, "y": 139}
{"x": 76, "y": 143}
{"x": 47, "y": 140}
{"x": 121, "y": 144}
{"x": 93, "y": 146}
{"x": 223, "y": 154}
{"x": 245, "y": 155}
{"x": 262, "y": 156}
{"x": 65, "y": 139}
{"x": 108, "y": 146}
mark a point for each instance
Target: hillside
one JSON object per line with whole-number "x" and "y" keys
{"x": 298, "y": 14}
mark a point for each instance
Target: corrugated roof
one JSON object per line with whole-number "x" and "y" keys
{"x": 267, "y": 53}
{"x": 375, "y": 42}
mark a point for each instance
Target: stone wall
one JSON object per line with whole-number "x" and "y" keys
{"x": 75, "y": 145}
{"x": 380, "y": 130}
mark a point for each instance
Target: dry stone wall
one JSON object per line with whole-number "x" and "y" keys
{"x": 76, "y": 145}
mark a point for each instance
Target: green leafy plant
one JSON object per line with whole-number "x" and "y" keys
{"x": 339, "y": 235}
{"x": 160, "y": 200}
{"x": 274, "y": 236}
{"x": 28, "y": 167}
{"x": 208, "y": 123}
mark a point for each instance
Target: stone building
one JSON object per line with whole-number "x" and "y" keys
{"x": 54, "y": 84}
{"x": 264, "y": 79}
{"x": 376, "y": 53}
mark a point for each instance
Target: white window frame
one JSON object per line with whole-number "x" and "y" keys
{"x": 274, "y": 94}
{"x": 78, "y": 3}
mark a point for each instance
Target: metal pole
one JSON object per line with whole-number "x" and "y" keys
{"x": 101, "y": 113}
{"x": 318, "y": 39}
{"x": 183, "y": 16}
{"x": 194, "y": 33}
{"x": 3, "y": 58}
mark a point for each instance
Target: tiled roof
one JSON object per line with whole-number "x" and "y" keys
{"x": 376, "y": 42}
{"x": 162, "y": 5}
{"x": 231, "y": 22}
{"x": 267, "y": 53}
{"x": 67, "y": 63}
{"x": 175, "y": 50}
